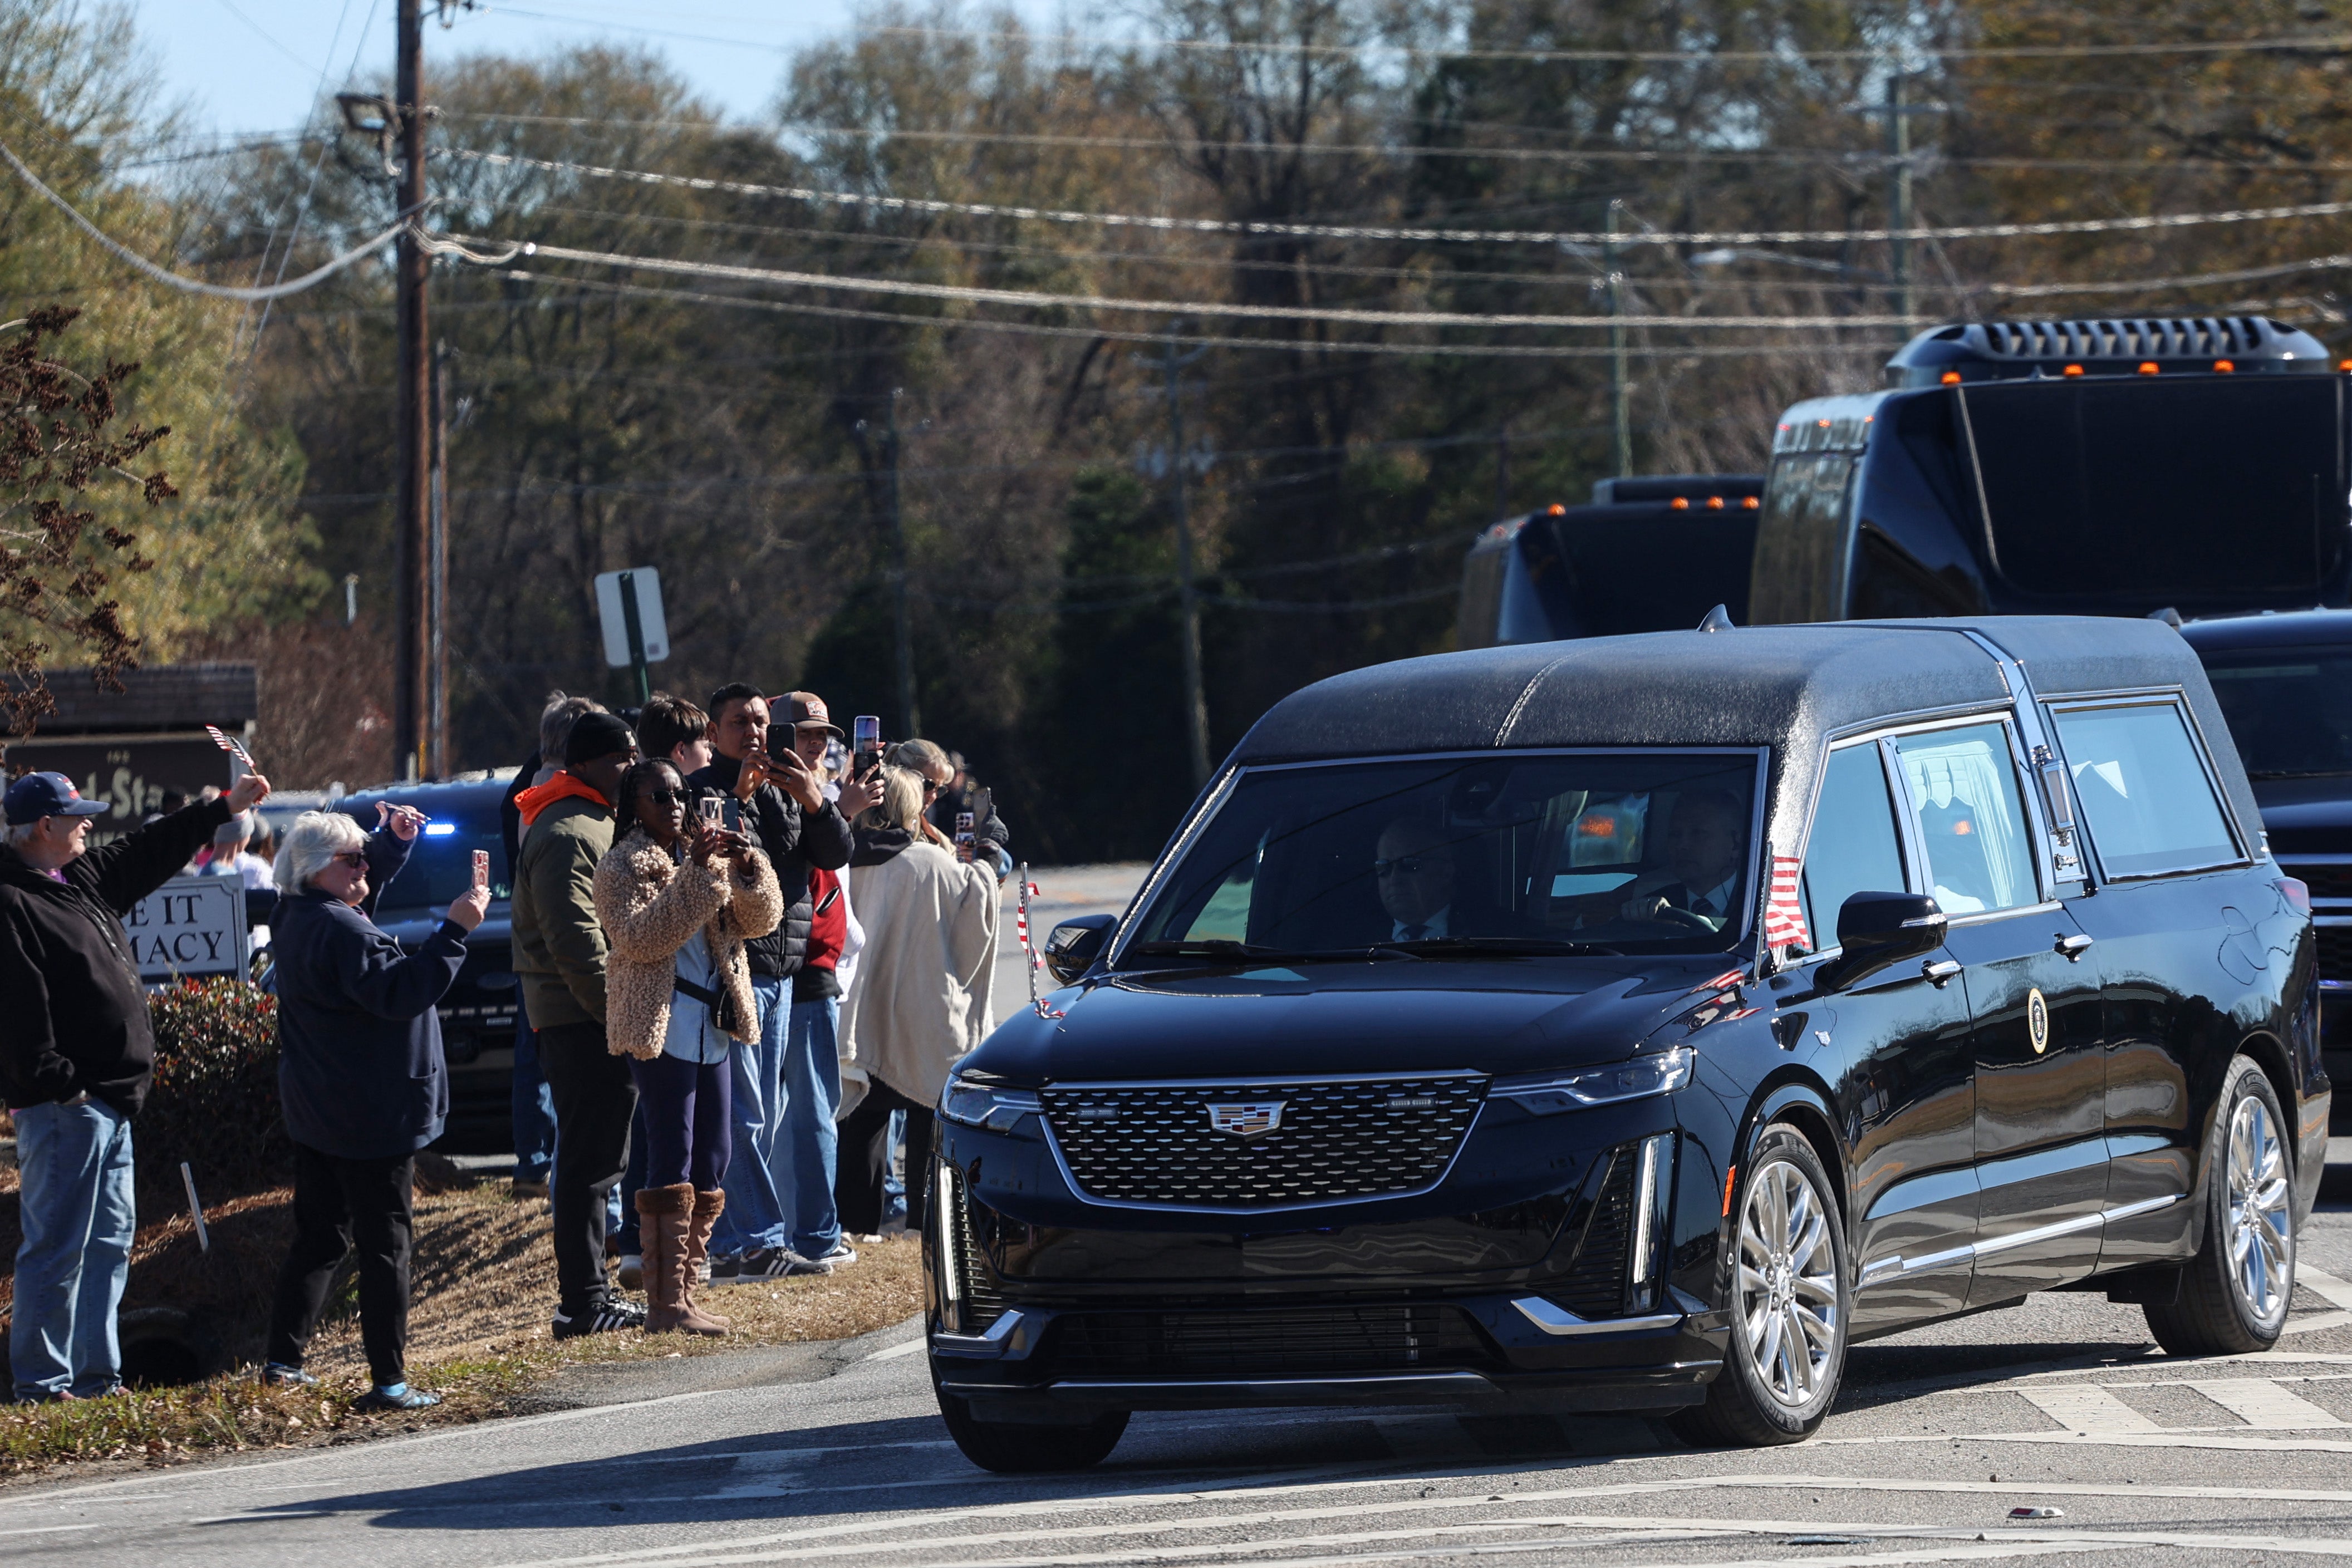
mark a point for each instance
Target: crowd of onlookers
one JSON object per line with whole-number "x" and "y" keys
{"x": 748, "y": 951}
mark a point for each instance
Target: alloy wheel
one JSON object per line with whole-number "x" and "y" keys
{"x": 2262, "y": 1234}
{"x": 1788, "y": 1287}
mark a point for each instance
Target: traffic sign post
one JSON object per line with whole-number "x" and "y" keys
{"x": 637, "y": 633}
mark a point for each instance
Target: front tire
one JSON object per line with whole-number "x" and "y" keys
{"x": 1020, "y": 1449}
{"x": 1786, "y": 1288}
{"x": 2234, "y": 1293}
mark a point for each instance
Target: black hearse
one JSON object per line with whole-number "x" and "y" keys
{"x": 1635, "y": 1023}
{"x": 2083, "y": 467}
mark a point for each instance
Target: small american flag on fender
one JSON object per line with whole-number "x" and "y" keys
{"x": 1784, "y": 917}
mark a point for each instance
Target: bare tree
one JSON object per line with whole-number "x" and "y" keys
{"x": 58, "y": 442}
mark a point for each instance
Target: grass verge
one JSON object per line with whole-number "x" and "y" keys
{"x": 483, "y": 1285}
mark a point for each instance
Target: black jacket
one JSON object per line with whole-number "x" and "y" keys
{"x": 360, "y": 1069}
{"x": 793, "y": 846}
{"x": 75, "y": 1014}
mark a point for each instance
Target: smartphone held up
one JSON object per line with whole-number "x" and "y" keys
{"x": 866, "y": 744}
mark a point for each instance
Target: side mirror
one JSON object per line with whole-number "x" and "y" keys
{"x": 1074, "y": 946}
{"x": 1876, "y": 929}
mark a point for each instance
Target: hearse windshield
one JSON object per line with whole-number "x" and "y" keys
{"x": 2290, "y": 709}
{"x": 1532, "y": 853}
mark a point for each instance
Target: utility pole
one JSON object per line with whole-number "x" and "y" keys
{"x": 412, "y": 525}
{"x": 1898, "y": 199}
{"x": 436, "y": 607}
{"x": 1620, "y": 418}
{"x": 901, "y": 631}
{"x": 1196, "y": 703}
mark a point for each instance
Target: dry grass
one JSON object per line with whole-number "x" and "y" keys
{"x": 483, "y": 1290}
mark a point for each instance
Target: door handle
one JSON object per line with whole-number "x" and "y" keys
{"x": 1938, "y": 970}
{"x": 2075, "y": 946}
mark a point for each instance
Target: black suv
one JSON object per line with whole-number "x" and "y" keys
{"x": 1636, "y": 1023}
{"x": 2284, "y": 683}
{"x": 479, "y": 1014}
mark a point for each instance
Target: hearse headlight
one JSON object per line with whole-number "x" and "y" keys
{"x": 990, "y": 1105}
{"x": 1548, "y": 1092}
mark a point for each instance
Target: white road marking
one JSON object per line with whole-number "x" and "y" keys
{"x": 2337, "y": 1293}
{"x": 2087, "y": 1409}
{"x": 827, "y": 1542}
{"x": 893, "y": 1352}
{"x": 2312, "y": 1322}
{"x": 2169, "y": 1437}
{"x": 2265, "y": 1407}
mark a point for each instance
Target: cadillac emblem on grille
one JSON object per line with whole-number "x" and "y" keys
{"x": 1246, "y": 1118}
{"x": 1271, "y": 1145}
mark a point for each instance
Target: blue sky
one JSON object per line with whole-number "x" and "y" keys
{"x": 257, "y": 65}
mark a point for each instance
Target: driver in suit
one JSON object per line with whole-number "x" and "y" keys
{"x": 1414, "y": 870}
{"x": 1706, "y": 842}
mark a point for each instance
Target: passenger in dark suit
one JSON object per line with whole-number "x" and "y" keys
{"x": 1707, "y": 841}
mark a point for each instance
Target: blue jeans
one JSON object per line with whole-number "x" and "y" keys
{"x": 621, "y": 1213}
{"x": 754, "y": 1216}
{"x": 803, "y": 1166}
{"x": 534, "y": 1111}
{"x": 894, "y": 1185}
{"x": 79, "y": 1217}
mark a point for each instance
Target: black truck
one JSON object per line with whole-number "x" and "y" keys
{"x": 2101, "y": 468}
{"x": 1650, "y": 554}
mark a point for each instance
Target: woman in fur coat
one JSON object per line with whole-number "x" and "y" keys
{"x": 921, "y": 997}
{"x": 677, "y": 899}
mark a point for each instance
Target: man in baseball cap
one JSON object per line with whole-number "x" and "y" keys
{"x": 76, "y": 1060}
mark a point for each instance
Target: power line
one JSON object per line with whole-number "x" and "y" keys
{"x": 194, "y": 285}
{"x": 1454, "y": 51}
{"x": 1437, "y": 236}
{"x": 1035, "y": 298}
{"x": 1109, "y": 335}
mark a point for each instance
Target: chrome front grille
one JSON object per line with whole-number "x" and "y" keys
{"x": 1328, "y": 1142}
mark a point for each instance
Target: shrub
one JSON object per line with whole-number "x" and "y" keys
{"x": 215, "y": 1102}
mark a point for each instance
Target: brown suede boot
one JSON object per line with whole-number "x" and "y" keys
{"x": 708, "y": 1207}
{"x": 662, "y": 1217}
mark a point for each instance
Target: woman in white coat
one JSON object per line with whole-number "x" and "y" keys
{"x": 921, "y": 996}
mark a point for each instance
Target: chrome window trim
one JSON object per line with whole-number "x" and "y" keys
{"x": 1987, "y": 916}
{"x": 1062, "y": 1164}
{"x": 1894, "y": 1265}
{"x": 1115, "y": 952}
{"x": 2175, "y": 697}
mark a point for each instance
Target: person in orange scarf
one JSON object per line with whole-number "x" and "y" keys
{"x": 559, "y": 954}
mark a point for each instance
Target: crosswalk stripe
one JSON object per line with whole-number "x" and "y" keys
{"x": 2266, "y": 1405}
{"x": 2328, "y": 1287}
{"x": 2087, "y": 1409}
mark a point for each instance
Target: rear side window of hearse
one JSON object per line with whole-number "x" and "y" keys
{"x": 2144, "y": 790}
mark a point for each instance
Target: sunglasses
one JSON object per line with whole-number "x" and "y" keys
{"x": 1409, "y": 865}
{"x": 665, "y": 797}
{"x": 355, "y": 859}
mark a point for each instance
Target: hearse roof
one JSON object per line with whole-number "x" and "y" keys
{"x": 1788, "y": 688}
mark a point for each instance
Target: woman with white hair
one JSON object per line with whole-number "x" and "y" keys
{"x": 361, "y": 1081}
{"x": 922, "y": 998}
